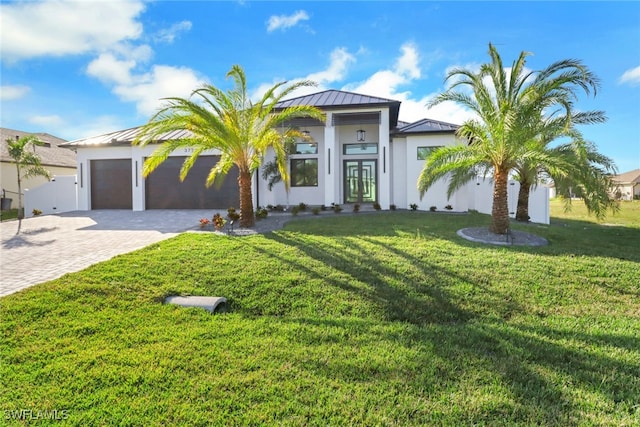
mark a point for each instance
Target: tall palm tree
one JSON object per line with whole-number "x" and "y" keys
{"x": 228, "y": 121}
{"x": 508, "y": 104}
{"x": 28, "y": 163}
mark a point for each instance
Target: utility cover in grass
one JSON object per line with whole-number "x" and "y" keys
{"x": 211, "y": 304}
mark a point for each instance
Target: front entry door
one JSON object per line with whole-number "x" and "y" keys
{"x": 360, "y": 181}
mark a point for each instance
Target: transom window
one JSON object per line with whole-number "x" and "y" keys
{"x": 362, "y": 148}
{"x": 305, "y": 148}
{"x": 424, "y": 152}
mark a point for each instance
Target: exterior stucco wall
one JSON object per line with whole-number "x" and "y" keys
{"x": 407, "y": 148}
{"x": 330, "y": 140}
{"x": 137, "y": 155}
{"x": 627, "y": 191}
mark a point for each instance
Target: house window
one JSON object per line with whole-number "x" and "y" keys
{"x": 363, "y": 148}
{"x": 304, "y": 172}
{"x": 305, "y": 148}
{"x": 424, "y": 152}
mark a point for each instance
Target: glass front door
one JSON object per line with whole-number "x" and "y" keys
{"x": 360, "y": 181}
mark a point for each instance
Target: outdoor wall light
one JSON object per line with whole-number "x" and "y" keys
{"x": 360, "y": 135}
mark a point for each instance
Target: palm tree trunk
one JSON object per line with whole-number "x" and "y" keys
{"x": 246, "y": 200}
{"x": 522, "y": 212}
{"x": 500, "y": 209}
{"x": 20, "y": 209}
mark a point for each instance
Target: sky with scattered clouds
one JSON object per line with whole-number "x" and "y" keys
{"x": 76, "y": 69}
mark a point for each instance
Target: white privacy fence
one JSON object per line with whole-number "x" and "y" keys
{"x": 56, "y": 196}
{"x": 481, "y": 199}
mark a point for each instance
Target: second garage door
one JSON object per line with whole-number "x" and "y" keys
{"x": 165, "y": 191}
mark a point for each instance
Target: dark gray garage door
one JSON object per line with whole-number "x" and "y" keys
{"x": 111, "y": 184}
{"x": 165, "y": 191}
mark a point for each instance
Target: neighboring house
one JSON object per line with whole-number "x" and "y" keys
{"x": 58, "y": 161}
{"x": 626, "y": 185}
{"x": 360, "y": 154}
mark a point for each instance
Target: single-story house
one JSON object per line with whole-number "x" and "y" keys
{"x": 57, "y": 160}
{"x": 362, "y": 153}
{"x": 626, "y": 185}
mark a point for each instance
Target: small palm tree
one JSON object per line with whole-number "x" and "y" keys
{"x": 576, "y": 164}
{"x": 590, "y": 177}
{"x": 230, "y": 122}
{"x": 508, "y": 106}
{"x": 28, "y": 163}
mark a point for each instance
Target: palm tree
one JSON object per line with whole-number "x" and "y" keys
{"x": 230, "y": 122}
{"x": 589, "y": 178}
{"x": 576, "y": 164}
{"x": 28, "y": 163}
{"x": 508, "y": 105}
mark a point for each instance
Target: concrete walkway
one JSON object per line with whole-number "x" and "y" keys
{"x": 50, "y": 246}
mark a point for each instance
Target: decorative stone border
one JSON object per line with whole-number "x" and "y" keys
{"x": 513, "y": 238}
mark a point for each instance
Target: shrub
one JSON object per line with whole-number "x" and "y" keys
{"x": 36, "y": 212}
{"x": 433, "y": 209}
{"x": 295, "y": 210}
{"x": 203, "y": 222}
{"x": 218, "y": 222}
{"x": 302, "y": 206}
{"x": 413, "y": 206}
{"x": 316, "y": 210}
{"x": 336, "y": 208}
{"x": 392, "y": 207}
{"x": 261, "y": 213}
{"x": 323, "y": 208}
{"x": 356, "y": 208}
{"x": 232, "y": 214}
{"x": 448, "y": 207}
{"x": 377, "y": 206}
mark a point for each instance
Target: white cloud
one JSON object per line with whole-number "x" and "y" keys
{"x": 170, "y": 34}
{"x": 146, "y": 90}
{"x": 340, "y": 60}
{"x": 631, "y": 76}
{"x": 337, "y": 70}
{"x": 385, "y": 83}
{"x": 282, "y": 22}
{"x": 48, "y": 121}
{"x": 11, "y": 92}
{"x": 61, "y": 27}
{"x": 132, "y": 82}
{"x": 108, "y": 69}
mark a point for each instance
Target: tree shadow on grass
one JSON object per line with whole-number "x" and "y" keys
{"x": 380, "y": 284}
{"x": 546, "y": 373}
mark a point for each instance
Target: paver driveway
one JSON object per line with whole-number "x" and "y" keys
{"x": 49, "y": 246}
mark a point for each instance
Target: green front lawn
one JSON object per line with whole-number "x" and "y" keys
{"x": 629, "y": 214}
{"x": 370, "y": 319}
{"x": 8, "y": 214}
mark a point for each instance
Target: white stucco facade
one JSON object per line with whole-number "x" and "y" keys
{"x": 360, "y": 153}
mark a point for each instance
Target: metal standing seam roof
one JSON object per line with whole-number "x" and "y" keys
{"x": 323, "y": 100}
{"x": 426, "y": 126}
{"x": 338, "y": 99}
{"x": 335, "y": 98}
{"x": 123, "y": 137}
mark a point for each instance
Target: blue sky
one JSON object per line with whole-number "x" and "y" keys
{"x": 76, "y": 69}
